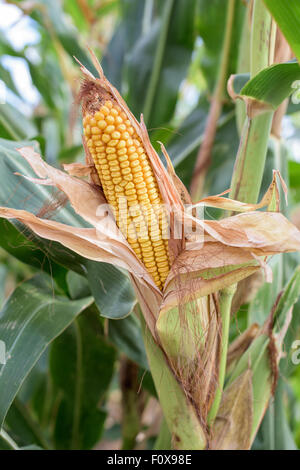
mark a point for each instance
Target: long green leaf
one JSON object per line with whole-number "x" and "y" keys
{"x": 272, "y": 85}
{"x": 15, "y": 125}
{"x": 163, "y": 50}
{"x": 82, "y": 365}
{"x": 31, "y": 318}
{"x": 126, "y": 335}
{"x": 111, "y": 289}
{"x": 210, "y": 26}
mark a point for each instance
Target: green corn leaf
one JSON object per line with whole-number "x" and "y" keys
{"x": 126, "y": 335}
{"x": 31, "y": 318}
{"x": 266, "y": 90}
{"x": 287, "y": 16}
{"x": 81, "y": 365}
{"x": 239, "y": 81}
{"x": 14, "y": 124}
{"x": 210, "y": 26}
{"x": 111, "y": 289}
{"x": 261, "y": 305}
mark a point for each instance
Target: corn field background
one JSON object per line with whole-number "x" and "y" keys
{"x": 78, "y": 376}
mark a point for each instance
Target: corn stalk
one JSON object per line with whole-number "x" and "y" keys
{"x": 250, "y": 161}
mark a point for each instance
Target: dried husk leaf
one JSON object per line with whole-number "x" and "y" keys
{"x": 79, "y": 169}
{"x": 209, "y": 258}
{"x": 261, "y": 233}
{"x": 104, "y": 242}
{"x": 206, "y": 270}
{"x": 84, "y": 241}
{"x": 237, "y": 206}
{"x": 85, "y": 198}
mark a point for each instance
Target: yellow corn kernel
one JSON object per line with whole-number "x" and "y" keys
{"x": 126, "y": 175}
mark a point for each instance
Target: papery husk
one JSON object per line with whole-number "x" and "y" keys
{"x": 271, "y": 196}
{"x": 261, "y": 233}
{"x": 207, "y": 270}
{"x": 80, "y": 169}
{"x": 189, "y": 329}
{"x": 150, "y": 303}
{"x": 207, "y": 261}
{"x": 233, "y": 248}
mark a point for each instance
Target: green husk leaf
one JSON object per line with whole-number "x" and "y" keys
{"x": 181, "y": 417}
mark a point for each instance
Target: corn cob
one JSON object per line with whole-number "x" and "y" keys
{"x": 128, "y": 182}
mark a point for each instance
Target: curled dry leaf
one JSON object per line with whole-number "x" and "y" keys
{"x": 262, "y": 233}
{"x": 79, "y": 169}
{"x": 236, "y": 206}
{"x": 204, "y": 270}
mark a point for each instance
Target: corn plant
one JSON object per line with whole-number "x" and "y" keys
{"x": 147, "y": 291}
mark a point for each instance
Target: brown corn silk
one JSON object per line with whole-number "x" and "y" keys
{"x": 127, "y": 178}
